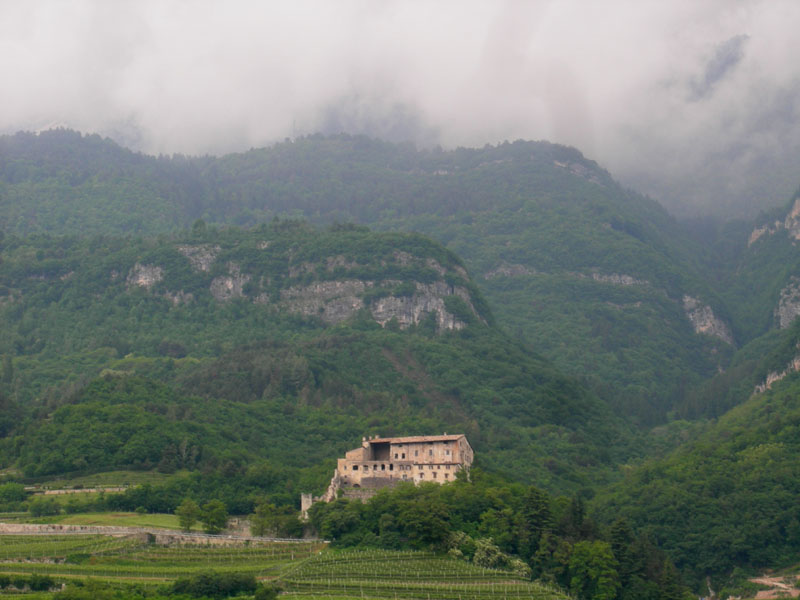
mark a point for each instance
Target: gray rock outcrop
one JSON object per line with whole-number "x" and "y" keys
{"x": 201, "y": 257}
{"x": 227, "y": 287}
{"x": 791, "y": 224}
{"x": 145, "y": 276}
{"x": 789, "y": 304}
{"x": 410, "y": 310}
{"x": 704, "y": 320}
{"x": 618, "y": 279}
{"x": 332, "y": 301}
{"x": 775, "y": 376}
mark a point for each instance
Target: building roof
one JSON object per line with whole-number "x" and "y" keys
{"x": 417, "y": 439}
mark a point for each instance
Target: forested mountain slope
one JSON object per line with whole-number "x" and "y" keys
{"x": 288, "y": 343}
{"x": 728, "y": 499}
{"x": 756, "y": 267}
{"x": 599, "y": 279}
{"x": 307, "y": 338}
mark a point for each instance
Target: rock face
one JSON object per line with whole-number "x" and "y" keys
{"x": 201, "y": 257}
{"x": 579, "y": 170}
{"x": 618, "y": 279}
{"x": 775, "y": 376}
{"x": 336, "y": 301}
{"x": 791, "y": 224}
{"x": 227, "y": 287}
{"x": 333, "y": 301}
{"x": 397, "y": 287}
{"x": 145, "y": 276}
{"x": 705, "y": 321}
{"x": 789, "y": 304}
{"x": 410, "y": 310}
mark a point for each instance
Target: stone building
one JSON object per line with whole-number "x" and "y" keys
{"x": 382, "y": 462}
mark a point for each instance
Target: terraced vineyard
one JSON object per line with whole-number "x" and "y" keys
{"x": 389, "y": 574}
{"x": 305, "y": 569}
{"x": 133, "y": 559}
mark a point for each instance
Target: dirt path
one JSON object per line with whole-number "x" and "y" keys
{"x": 780, "y": 589}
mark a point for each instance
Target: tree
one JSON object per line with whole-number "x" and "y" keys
{"x": 593, "y": 571}
{"x": 536, "y": 519}
{"x": 12, "y": 492}
{"x": 214, "y": 516}
{"x": 41, "y": 506}
{"x": 8, "y": 369}
{"x": 270, "y": 519}
{"x": 188, "y": 513}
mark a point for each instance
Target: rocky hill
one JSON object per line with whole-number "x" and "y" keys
{"x": 596, "y": 277}
{"x": 263, "y": 339}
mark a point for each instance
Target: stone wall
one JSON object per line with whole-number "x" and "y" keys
{"x": 161, "y": 537}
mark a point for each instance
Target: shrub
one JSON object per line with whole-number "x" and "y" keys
{"x": 215, "y": 585}
{"x": 268, "y": 591}
{"x": 40, "y": 583}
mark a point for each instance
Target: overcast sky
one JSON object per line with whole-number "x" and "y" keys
{"x": 686, "y": 99}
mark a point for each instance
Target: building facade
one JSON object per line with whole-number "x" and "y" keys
{"x": 386, "y": 461}
{"x": 383, "y": 462}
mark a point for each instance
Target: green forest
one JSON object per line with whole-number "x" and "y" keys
{"x": 236, "y": 323}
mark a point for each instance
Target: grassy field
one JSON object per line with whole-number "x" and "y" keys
{"x": 116, "y": 519}
{"x": 304, "y": 569}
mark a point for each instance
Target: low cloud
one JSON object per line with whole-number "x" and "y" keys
{"x": 694, "y": 102}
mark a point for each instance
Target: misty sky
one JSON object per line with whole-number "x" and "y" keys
{"x": 693, "y": 101}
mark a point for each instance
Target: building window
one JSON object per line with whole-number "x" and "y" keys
{"x": 395, "y": 454}
{"x": 420, "y": 467}
{"x": 447, "y": 475}
{"x": 391, "y": 467}
{"x": 383, "y": 467}
{"x": 405, "y": 476}
{"x": 447, "y": 467}
{"x": 422, "y": 475}
{"x": 430, "y": 452}
{"x": 434, "y": 475}
{"x": 430, "y": 467}
{"x": 355, "y": 467}
{"x": 438, "y": 466}
{"x": 404, "y": 454}
{"x": 447, "y": 452}
{"x": 416, "y": 452}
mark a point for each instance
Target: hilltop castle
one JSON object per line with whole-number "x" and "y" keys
{"x": 382, "y": 462}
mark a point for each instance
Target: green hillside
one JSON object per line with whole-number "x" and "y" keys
{"x": 556, "y": 319}
{"x": 589, "y": 274}
{"x": 730, "y": 498}
{"x": 258, "y": 344}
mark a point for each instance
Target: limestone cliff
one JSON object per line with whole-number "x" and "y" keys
{"x": 704, "y": 320}
{"x": 395, "y": 286}
{"x": 791, "y": 224}
{"x": 145, "y": 276}
{"x": 336, "y": 301}
{"x": 231, "y": 285}
{"x": 775, "y": 376}
{"x": 789, "y": 304}
{"x": 618, "y": 279}
{"x": 201, "y": 256}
